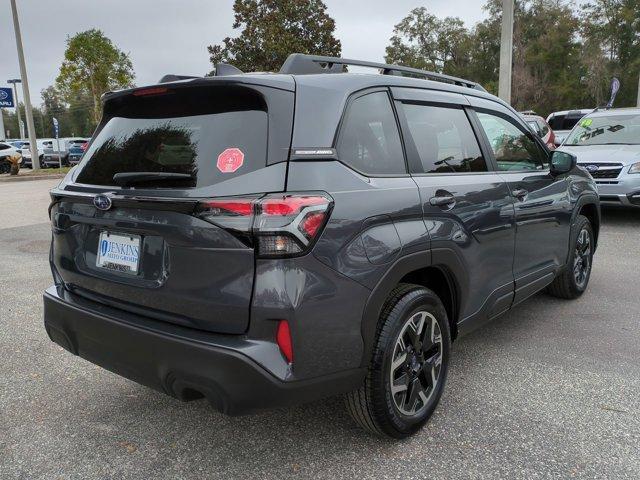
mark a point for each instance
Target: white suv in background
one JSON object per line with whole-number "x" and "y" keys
{"x": 607, "y": 144}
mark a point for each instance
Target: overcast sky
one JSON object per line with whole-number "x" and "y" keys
{"x": 171, "y": 36}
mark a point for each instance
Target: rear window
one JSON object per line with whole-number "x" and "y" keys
{"x": 565, "y": 122}
{"x": 210, "y": 133}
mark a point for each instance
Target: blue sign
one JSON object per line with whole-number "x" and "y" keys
{"x": 6, "y": 98}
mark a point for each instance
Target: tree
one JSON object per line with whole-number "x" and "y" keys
{"x": 552, "y": 70}
{"x": 611, "y": 30}
{"x": 92, "y": 66}
{"x": 272, "y": 30}
{"x": 423, "y": 41}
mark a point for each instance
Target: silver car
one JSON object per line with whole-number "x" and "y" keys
{"x": 607, "y": 144}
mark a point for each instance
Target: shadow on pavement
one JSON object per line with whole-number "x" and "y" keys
{"x": 619, "y": 216}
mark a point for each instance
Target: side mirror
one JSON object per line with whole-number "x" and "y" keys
{"x": 562, "y": 162}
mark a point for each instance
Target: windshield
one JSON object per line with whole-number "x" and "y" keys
{"x": 609, "y": 130}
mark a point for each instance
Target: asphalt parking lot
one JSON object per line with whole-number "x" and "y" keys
{"x": 551, "y": 390}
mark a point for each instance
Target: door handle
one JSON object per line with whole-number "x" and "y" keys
{"x": 520, "y": 194}
{"x": 445, "y": 201}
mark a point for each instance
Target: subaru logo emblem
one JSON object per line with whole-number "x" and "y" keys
{"x": 592, "y": 168}
{"x": 102, "y": 202}
{"x": 3, "y": 95}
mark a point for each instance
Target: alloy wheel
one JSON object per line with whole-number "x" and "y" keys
{"x": 582, "y": 258}
{"x": 416, "y": 363}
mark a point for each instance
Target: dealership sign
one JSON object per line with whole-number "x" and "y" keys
{"x": 6, "y": 98}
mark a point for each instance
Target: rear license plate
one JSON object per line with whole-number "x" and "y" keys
{"x": 119, "y": 253}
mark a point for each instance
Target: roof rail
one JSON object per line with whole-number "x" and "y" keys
{"x": 301, "y": 64}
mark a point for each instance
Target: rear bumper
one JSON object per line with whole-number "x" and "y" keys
{"x": 226, "y": 369}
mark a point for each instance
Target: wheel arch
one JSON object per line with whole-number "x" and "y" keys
{"x": 589, "y": 206}
{"x": 414, "y": 268}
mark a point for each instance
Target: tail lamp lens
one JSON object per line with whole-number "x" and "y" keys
{"x": 283, "y": 339}
{"x": 279, "y": 224}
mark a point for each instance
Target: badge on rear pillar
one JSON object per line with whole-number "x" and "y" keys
{"x": 102, "y": 202}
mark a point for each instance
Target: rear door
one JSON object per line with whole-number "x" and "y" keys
{"x": 542, "y": 204}
{"x": 466, "y": 206}
{"x": 142, "y": 245}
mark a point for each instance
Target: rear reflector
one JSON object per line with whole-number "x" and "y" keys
{"x": 283, "y": 338}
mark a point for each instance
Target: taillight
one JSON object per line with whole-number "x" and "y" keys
{"x": 84, "y": 146}
{"x": 277, "y": 224}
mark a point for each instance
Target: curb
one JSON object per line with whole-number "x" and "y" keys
{"x": 26, "y": 178}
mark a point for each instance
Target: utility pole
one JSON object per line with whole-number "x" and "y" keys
{"x": 35, "y": 160}
{"x": 2, "y": 131}
{"x": 638, "y": 102}
{"x": 506, "y": 51}
{"x": 15, "y": 81}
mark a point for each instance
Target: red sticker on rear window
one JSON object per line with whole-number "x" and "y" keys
{"x": 230, "y": 160}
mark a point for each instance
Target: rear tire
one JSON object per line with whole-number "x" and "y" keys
{"x": 409, "y": 365}
{"x": 572, "y": 282}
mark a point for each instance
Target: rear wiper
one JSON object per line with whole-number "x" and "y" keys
{"x": 124, "y": 179}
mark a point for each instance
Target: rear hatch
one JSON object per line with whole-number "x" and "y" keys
{"x": 126, "y": 229}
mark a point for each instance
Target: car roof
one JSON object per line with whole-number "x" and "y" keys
{"x": 615, "y": 111}
{"x": 528, "y": 116}
{"x": 321, "y": 97}
{"x": 583, "y": 111}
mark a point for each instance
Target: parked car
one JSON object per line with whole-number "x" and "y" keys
{"x": 266, "y": 240}
{"x": 77, "y": 147}
{"x": 16, "y": 143}
{"x": 607, "y": 145}
{"x": 562, "y": 122}
{"x": 7, "y": 150}
{"x": 540, "y": 127}
{"x": 53, "y": 156}
{"x": 26, "y": 154}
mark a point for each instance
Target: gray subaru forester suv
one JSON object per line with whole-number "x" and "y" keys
{"x": 262, "y": 240}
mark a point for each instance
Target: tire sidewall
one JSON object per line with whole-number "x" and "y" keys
{"x": 416, "y": 300}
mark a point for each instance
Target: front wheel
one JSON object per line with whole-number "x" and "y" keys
{"x": 574, "y": 279}
{"x": 408, "y": 369}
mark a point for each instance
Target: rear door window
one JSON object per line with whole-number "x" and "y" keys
{"x": 369, "y": 141}
{"x": 212, "y": 134}
{"x": 444, "y": 139}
